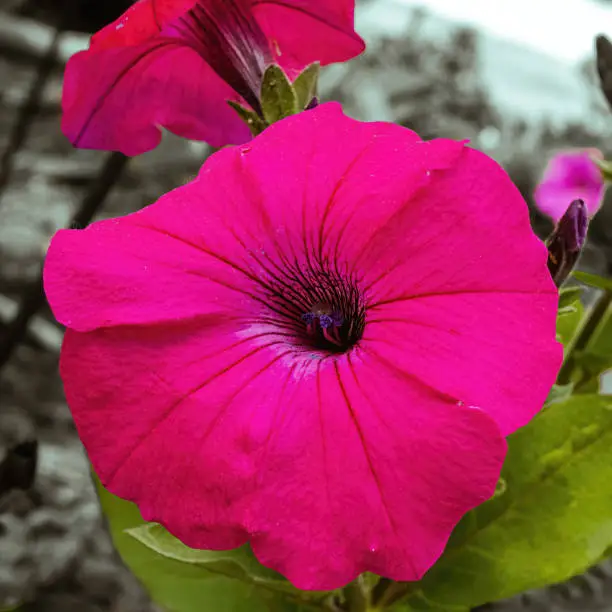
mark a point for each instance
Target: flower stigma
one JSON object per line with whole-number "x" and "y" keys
{"x": 323, "y": 309}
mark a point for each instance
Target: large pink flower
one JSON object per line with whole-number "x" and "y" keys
{"x": 176, "y": 63}
{"x": 569, "y": 176}
{"x": 317, "y": 346}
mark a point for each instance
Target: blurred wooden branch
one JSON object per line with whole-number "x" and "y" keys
{"x": 44, "y": 333}
{"x": 32, "y": 39}
{"x": 33, "y": 296}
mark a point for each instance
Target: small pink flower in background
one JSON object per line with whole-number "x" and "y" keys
{"x": 569, "y": 176}
{"x": 175, "y": 64}
{"x": 317, "y": 346}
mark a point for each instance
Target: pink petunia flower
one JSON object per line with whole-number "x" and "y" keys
{"x": 569, "y": 176}
{"x": 317, "y": 346}
{"x": 176, "y": 63}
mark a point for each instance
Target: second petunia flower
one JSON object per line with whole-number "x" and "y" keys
{"x": 317, "y": 347}
{"x": 175, "y": 64}
{"x": 570, "y": 175}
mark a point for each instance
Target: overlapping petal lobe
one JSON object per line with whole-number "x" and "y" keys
{"x": 140, "y": 22}
{"x": 468, "y": 230}
{"x": 132, "y": 271}
{"x": 187, "y": 448}
{"x": 303, "y": 31}
{"x": 476, "y": 280}
{"x": 139, "y": 89}
{"x": 279, "y": 449}
{"x": 364, "y": 441}
{"x": 471, "y": 347}
{"x": 347, "y": 184}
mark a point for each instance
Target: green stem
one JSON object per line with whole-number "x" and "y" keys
{"x": 356, "y": 598}
{"x": 584, "y": 336}
{"x": 387, "y": 592}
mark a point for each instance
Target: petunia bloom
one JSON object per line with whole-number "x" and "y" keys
{"x": 175, "y": 64}
{"x": 317, "y": 346}
{"x": 569, "y": 176}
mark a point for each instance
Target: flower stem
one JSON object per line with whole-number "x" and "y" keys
{"x": 387, "y": 592}
{"x": 33, "y": 297}
{"x": 356, "y": 597}
{"x": 584, "y": 336}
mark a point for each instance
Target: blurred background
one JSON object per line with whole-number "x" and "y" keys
{"x": 516, "y": 77}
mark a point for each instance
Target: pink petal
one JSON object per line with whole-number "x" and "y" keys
{"x": 471, "y": 346}
{"x": 462, "y": 286}
{"x": 329, "y": 468}
{"x": 306, "y": 31}
{"x": 137, "y": 90}
{"x": 568, "y": 176}
{"x": 209, "y": 410}
{"x": 340, "y": 194}
{"x": 142, "y": 21}
{"x": 451, "y": 224}
{"x": 553, "y": 199}
{"x": 134, "y": 271}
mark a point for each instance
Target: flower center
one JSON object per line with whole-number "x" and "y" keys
{"x": 227, "y": 36}
{"x": 322, "y": 309}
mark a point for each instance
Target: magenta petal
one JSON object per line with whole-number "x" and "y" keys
{"x": 351, "y": 463}
{"x": 139, "y": 89}
{"x": 143, "y": 20}
{"x": 449, "y": 291}
{"x": 136, "y": 271}
{"x": 203, "y": 394}
{"x": 570, "y": 176}
{"x": 306, "y": 31}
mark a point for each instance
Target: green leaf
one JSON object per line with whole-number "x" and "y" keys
{"x": 593, "y": 280}
{"x": 553, "y": 521}
{"x": 596, "y": 359}
{"x": 605, "y": 167}
{"x": 593, "y": 364}
{"x": 568, "y": 321}
{"x": 568, "y": 296}
{"x": 278, "y": 98}
{"x": 239, "y": 563}
{"x": 305, "y": 85}
{"x": 256, "y": 124}
{"x": 186, "y": 586}
{"x": 559, "y": 393}
{"x": 420, "y": 604}
{"x": 601, "y": 342}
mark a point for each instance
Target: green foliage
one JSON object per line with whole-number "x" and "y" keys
{"x": 568, "y": 296}
{"x": 605, "y": 167}
{"x": 256, "y": 124}
{"x": 593, "y": 280}
{"x": 305, "y": 85}
{"x": 182, "y": 580}
{"x": 559, "y": 393}
{"x": 278, "y": 97}
{"x": 587, "y": 337}
{"x": 552, "y": 522}
{"x": 570, "y": 314}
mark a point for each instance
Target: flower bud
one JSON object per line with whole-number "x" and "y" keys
{"x": 566, "y": 242}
